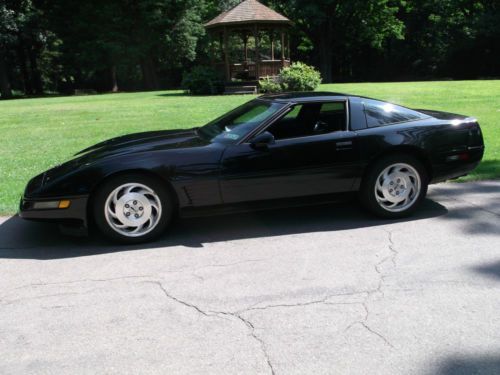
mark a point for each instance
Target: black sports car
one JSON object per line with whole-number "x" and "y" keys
{"x": 276, "y": 149}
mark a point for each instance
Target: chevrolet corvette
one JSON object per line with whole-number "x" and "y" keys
{"x": 275, "y": 150}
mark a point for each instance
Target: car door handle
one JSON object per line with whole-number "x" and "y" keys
{"x": 344, "y": 145}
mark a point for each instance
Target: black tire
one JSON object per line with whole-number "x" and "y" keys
{"x": 100, "y": 198}
{"x": 367, "y": 192}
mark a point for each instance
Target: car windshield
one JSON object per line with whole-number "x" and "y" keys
{"x": 233, "y": 126}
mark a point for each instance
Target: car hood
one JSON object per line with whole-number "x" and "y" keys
{"x": 125, "y": 145}
{"x": 139, "y": 142}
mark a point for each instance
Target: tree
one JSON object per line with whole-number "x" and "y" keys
{"x": 166, "y": 33}
{"x": 63, "y": 45}
{"x": 336, "y": 28}
{"x": 448, "y": 38}
{"x": 117, "y": 36}
{"x": 8, "y": 29}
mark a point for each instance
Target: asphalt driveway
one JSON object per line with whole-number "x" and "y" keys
{"x": 299, "y": 291}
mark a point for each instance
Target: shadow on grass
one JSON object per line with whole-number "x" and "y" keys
{"x": 173, "y": 94}
{"x": 487, "y": 170}
{"x": 21, "y": 239}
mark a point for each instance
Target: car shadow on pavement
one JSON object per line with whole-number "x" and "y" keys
{"x": 490, "y": 270}
{"x": 483, "y": 365}
{"x": 20, "y": 239}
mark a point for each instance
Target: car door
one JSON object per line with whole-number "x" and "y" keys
{"x": 303, "y": 160}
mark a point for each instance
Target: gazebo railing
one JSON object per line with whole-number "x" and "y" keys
{"x": 272, "y": 67}
{"x": 248, "y": 70}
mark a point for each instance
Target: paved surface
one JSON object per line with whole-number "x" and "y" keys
{"x": 302, "y": 291}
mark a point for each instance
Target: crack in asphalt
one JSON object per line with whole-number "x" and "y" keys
{"x": 217, "y": 314}
{"x": 251, "y": 327}
{"x": 260, "y": 340}
{"x": 238, "y": 314}
{"x": 392, "y": 258}
{"x": 308, "y": 303}
{"x": 187, "y": 304}
{"x": 365, "y": 325}
{"x": 5, "y": 302}
{"x": 75, "y": 282}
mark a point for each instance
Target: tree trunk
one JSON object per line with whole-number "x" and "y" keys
{"x": 21, "y": 56}
{"x": 325, "y": 40}
{"x": 149, "y": 76}
{"x": 114, "y": 81}
{"x": 325, "y": 59}
{"x": 36, "y": 77}
{"x": 5, "y": 89}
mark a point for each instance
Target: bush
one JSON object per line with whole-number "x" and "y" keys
{"x": 299, "y": 77}
{"x": 270, "y": 85}
{"x": 296, "y": 77}
{"x": 203, "y": 81}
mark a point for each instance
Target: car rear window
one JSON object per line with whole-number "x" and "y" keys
{"x": 381, "y": 113}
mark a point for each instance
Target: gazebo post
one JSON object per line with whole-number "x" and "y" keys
{"x": 282, "y": 49}
{"x": 221, "y": 44}
{"x": 288, "y": 43}
{"x": 257, "y": 54}
{"x": 226, "y": 56}
{"x": 272, "y": 45}
{"x": 245, "y": 42}
{"x": 212, "y": 49}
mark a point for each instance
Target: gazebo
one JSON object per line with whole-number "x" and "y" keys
{"x": 248, "y": 24}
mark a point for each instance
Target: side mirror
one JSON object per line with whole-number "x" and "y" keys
{"x": 261, "y": 141}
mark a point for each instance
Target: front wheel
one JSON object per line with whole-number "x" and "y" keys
{"x": 395, "y": 186}
{"x": 132, "y": 208}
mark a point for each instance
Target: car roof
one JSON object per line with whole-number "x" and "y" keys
{"x": 296, "y": 97}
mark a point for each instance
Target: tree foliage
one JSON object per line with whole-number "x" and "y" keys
{"x": 68, "y": 45}
{"x": 336, "y": 28}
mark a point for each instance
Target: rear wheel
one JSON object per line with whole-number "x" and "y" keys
{"x": 132, "y": 208}
{"x": 395, "y": 186}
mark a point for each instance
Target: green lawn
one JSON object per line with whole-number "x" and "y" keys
{"x": 39, "y": 133}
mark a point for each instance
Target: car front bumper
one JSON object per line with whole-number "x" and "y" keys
{"x": 74, "y": 214}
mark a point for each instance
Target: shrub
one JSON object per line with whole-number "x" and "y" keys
{"x": 270, "y": 85}
{"x": 296, "y": 77}
{"x": 299, "y": 77}
{"x": 203, "y": 81}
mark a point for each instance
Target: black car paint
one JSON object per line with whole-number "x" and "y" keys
{"x": 200, "y": 173}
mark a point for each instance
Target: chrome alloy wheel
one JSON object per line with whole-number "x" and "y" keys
{"x": 132, "y": 210}
{"x": 397, "y": 187}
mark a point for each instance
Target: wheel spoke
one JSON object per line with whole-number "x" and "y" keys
{"x": 111, "y": 212}
{"x": 121, "y": 225}
{"x": 386, "y": 174}
{"x": 115, "y": 197}
{"x": 136, "y": 230}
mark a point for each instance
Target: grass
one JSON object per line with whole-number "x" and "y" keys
{"x": 39, "y": 133}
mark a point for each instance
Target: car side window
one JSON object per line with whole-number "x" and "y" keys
{"x": 381, "y": 113}
{"x": 310, "y": 119}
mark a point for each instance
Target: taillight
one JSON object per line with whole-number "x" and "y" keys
{"x": 462, "y": 156}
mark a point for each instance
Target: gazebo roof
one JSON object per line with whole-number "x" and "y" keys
{"x": 248, "y": 12}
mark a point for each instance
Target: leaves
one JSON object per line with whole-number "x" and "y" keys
{"x": 63, "y": 45}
